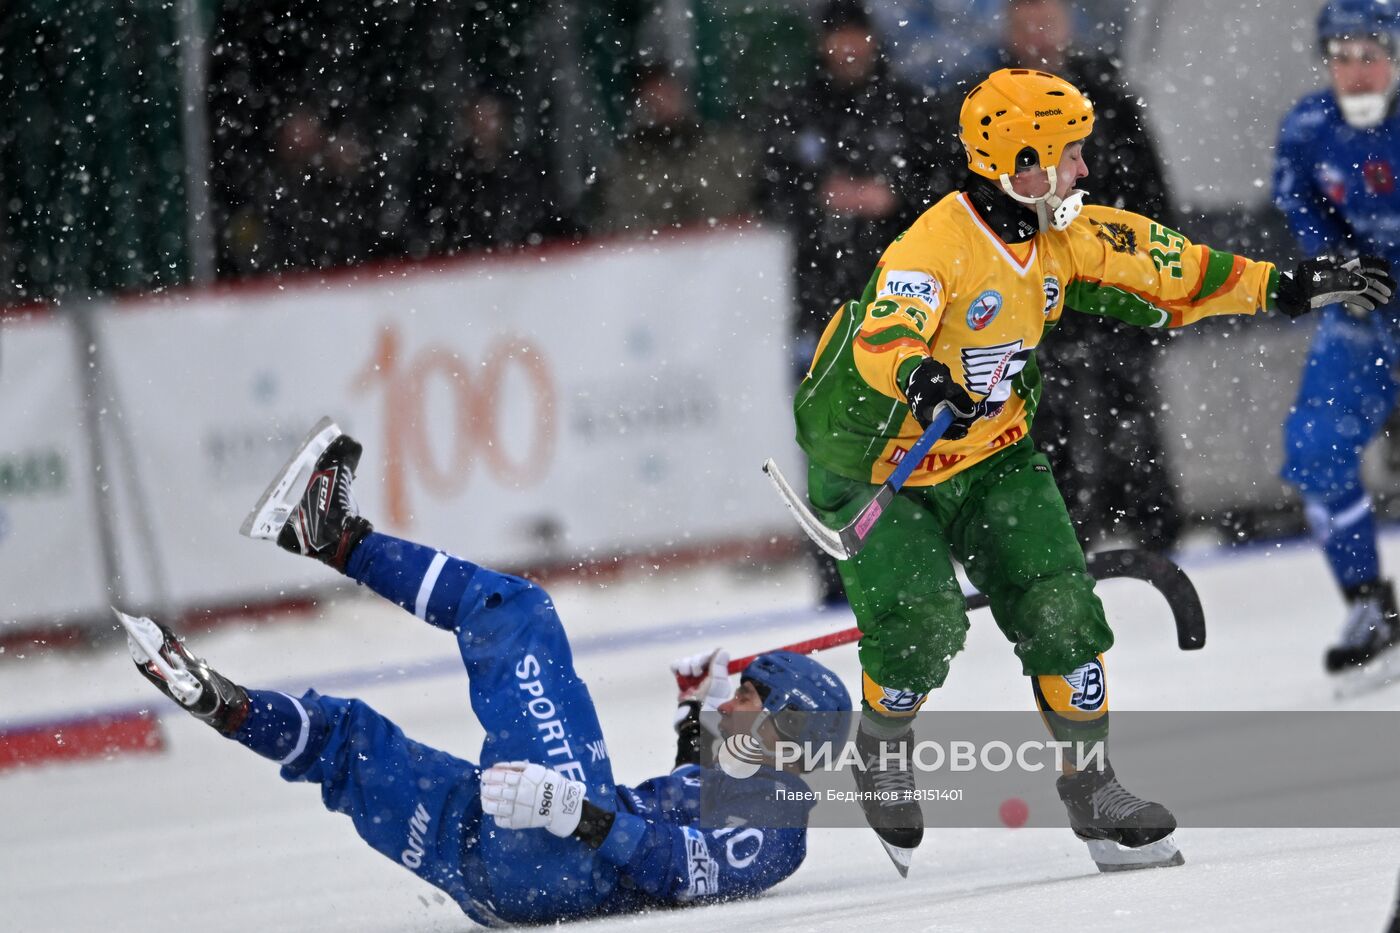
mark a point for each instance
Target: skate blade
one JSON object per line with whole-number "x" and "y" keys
{"x": 901, "y": 857}
{"x": 144, "y": 640}
{"x": 280, "y": 499}
{"x": 1110, "y": 856}
{"x": 1382, "y": 672}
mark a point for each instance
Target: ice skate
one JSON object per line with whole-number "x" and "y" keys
{"x": 1364, "y": 656}
{"x": 1123, "y": 831}
{"x": 886, "y": 787}
{"x": 165, "y": 661}
{"x": 308, "y": 508}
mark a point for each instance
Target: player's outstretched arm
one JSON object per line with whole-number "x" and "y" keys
{"x": 1132, "y": 268}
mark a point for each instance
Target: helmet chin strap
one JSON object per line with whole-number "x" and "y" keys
{"x": 1052, "y": 211}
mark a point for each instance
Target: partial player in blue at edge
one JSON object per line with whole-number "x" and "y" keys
{"x": 537, "y": 831}
{"x": 1335, "y": 180}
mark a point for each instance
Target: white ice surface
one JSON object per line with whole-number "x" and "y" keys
{"x": 207, "y": 838}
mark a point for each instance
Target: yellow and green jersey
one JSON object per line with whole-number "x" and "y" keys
{"x": 950, "y": 287}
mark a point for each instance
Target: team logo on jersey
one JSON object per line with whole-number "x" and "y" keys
{"x": 900, "y": 701}
{"x": 1379, "y": 176}
{"x": 1120, "y": 237}
{"x": 1090, "y": 687}
{"x": 987, "y": 371}
{"x": 891, "y": 700}
{"x": 985, "y": 308}
{"x": 1052, "y": 293}
{"x": 920, "y": 285}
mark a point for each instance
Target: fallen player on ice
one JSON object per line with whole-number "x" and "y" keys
{"x": 537, "y": 831}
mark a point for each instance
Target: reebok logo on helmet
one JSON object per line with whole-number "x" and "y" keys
{"x": 1049, "y": 113}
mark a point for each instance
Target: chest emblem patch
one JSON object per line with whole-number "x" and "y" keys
{"x": 984, "y": 310}
{"x": 1052, "y": 293}
{"x": 988, "y": 371}
{"x": 1379, "y": 177}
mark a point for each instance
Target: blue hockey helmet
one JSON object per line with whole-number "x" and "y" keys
{"x": 805, "y": 700}
{"x": 1359, "y": 19}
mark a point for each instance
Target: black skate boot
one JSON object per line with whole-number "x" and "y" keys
{"x": 1372, "y": 627}
{"x": 165, "y": 661}
{"x": 886, "y": 787}
{"x": 315, "y": 516}
{"x": 1123, "y": 831}
{"x": 326, "y": 524}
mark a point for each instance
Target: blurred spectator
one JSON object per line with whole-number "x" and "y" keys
{"x": 846, "y": 168}
{"x": 671, "y": 169}
{"x": 846, "y": 160}
{"x": 489, "y": 186}
{"x": 1096, "y": 419}
{"x": 311, "y": 206}
{"x": 931, "y": 42}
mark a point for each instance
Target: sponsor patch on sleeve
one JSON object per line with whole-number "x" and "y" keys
{"x": 903, "y": 284}
{"x": 703, "y": 871}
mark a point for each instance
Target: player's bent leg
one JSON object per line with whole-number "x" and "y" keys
{"x": 903, "y": 592}
{"x": 524, "y": 689}
{"x": 1122, "y": 830}
{"x": 1345, "y": 396}
{"x": 1022, "y": 552}
{"x": 913, "y": 617}
{"x": 414, "y": 804}
{"x": 1074, "y": 705}
{"x": 1016, "y": 542}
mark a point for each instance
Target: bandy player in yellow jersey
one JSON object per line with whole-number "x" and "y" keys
{"x": 953, "y": 313}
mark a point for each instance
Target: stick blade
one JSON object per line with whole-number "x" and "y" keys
{"x": 275, "y": 505}
{"x": 826, "y": 539}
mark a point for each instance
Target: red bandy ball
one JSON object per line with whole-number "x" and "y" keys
{"x": 1014, "y": 812}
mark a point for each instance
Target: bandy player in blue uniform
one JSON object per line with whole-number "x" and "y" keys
{"x": 537, "y": 831}
{"x": 1336, "y": 181}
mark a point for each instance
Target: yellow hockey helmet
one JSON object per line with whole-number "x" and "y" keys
{"x": 1017, "y": 109}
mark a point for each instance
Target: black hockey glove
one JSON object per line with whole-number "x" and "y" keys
{"x": 1362, "y": 284}
{"x": 929, "y": 385}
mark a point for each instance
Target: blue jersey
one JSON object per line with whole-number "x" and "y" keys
{"x": 1337, "y": 185}
{"x": 690, "y": 836}
{"x": 670, "y": 848}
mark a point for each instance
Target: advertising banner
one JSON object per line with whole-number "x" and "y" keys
{"x": 566, "y": 405}
{"x": 50, "y": 554}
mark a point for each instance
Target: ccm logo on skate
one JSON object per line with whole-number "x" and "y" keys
{"x": 324, "y": 484}
{"x": 417, "y": 829}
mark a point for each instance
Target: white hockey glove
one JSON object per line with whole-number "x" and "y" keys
{"x": 704, "y": 678}
{"x": 521, "y": 795}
